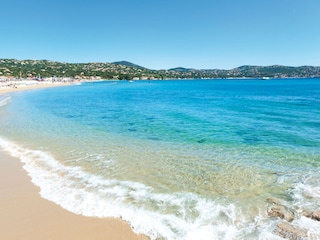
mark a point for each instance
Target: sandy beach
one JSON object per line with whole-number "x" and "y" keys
{"x": 19, "y": 85}
{"x": 25, "y": 215}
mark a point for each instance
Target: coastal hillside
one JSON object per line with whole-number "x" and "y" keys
{"x": 128, "y": 64}
{"x": 126, "y": 70}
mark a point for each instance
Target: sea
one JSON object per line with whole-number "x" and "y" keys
{"x": 176, "y": 159}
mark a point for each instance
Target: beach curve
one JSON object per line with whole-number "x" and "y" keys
{"x": 25, "y": 215}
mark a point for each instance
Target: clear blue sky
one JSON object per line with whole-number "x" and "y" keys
{"x": 165, "y": 33}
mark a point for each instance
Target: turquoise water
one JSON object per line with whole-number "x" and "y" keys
{"x": 176, "y": 159}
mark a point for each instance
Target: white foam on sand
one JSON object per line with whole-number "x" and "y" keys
{"x": 157, "y": 215}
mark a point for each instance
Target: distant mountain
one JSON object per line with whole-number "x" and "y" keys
{"x": 275, "y": 71}
{"x": 127, "y": 70}
{"x": 128, "y": 64}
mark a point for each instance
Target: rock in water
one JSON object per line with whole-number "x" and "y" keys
{"x": 316, "y": 215}
{"x": 290, "y": 232}
{"x": 281, "y": 212}
{"x": 313, "y": 215}
{"x": 275, "y": 200}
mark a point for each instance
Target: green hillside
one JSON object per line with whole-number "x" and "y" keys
{"x": 126, "y": 70}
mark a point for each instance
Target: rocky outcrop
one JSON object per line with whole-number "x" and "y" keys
{"x": 291, "y": 232}
{"x": 279, "y": 210}
{"x": 313, "y": 215}
{"x": 286, "y": 229}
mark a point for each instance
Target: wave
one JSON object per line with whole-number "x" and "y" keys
{"x": 5, "y": 100}
{"x": 157, "y": 215}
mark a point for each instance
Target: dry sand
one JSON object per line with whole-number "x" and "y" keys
{"x": 25, "y": 215}
{"x": 31, "y": 85}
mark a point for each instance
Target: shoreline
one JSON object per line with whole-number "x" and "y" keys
{"x": 26, "y": 215}
{"x": 14, "y": 86}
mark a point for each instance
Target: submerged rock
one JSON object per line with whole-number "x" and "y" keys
{"x": 281, "y": 212}
{"x": 290, "y": 232}
{"x": 275, "y": 200}
{"x": 279, "y": 209}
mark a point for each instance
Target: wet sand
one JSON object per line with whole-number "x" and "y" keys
{"x": 25, "y": 215}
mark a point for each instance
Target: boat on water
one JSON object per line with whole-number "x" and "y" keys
{"x": 265, "y": 78}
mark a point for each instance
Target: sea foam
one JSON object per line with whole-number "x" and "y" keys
{"x": 170, "y": 216}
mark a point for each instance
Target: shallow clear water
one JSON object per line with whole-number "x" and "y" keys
{"x": 176, "y": 159}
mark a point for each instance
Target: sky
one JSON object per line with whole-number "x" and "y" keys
{"x": 163, "y": 34}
